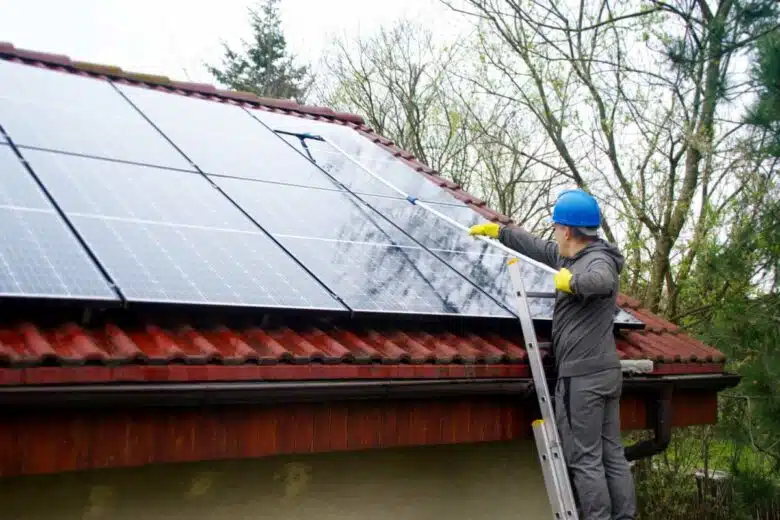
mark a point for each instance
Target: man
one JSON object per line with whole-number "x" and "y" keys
{"x": 587, "y": 392}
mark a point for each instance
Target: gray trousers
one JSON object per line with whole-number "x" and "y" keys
{"x": 587, "y": 412}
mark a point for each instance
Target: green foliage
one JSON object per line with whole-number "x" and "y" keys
{"x": 765, "y": 113}
{"x": 749, "y": 331}
{"x": 735, "y": 281}
{"x": 752, "y": 329}
{"x": 671, "y": 485}
{"x": 265, "y": 67}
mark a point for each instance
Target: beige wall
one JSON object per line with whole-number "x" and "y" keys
{"x": 486, "y": 481}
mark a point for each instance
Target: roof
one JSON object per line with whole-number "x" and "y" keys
{"x": 33, "y": 352}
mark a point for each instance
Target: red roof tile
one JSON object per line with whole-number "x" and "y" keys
{"x": 28, "y": 351}
{"x": 310, "y": 352}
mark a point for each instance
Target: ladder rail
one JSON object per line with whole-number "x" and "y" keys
{"x": 548, "y": 440}
{"x": 545, "y": 430}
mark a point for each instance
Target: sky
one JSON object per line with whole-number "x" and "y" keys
{"x": 174, "y": 37}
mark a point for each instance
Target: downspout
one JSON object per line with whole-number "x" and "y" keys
{"x": 659, "y": 414}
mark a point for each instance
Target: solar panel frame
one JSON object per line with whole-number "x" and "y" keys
{"x": 190, "y": 240}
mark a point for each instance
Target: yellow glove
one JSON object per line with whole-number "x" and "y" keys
{"x": 563, "y": 280}
{"x": 491, "y": 229}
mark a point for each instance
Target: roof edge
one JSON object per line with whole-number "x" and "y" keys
{"x": 252, "y": 392}
{"x": 8, "y": 50}
{"x": 206, "y": 375}
{"x": 270, "y": 392}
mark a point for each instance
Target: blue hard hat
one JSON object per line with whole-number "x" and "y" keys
{"x": 577, "y": 208}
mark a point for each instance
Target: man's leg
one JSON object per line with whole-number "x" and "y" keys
{"x": 618, "y": 473}
{"x": 580, "y": 416}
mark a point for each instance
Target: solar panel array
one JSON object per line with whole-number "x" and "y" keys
{"x": 155, "y": 197}
{"x": 483, "y": 265}
{"x": 169, "y": 236}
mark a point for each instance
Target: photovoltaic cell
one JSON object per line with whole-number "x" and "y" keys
{"x": 223, "y": 139}
{"x": 18, "y": 189}
{"x": 39, "y": 255}
{"x": 65, "y": 112}
{"x": 170, "y": 236}
{"x": 359, "y": 255}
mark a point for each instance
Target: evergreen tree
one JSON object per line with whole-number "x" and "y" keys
{"x": 265, "y": 67}
{"x": 765, "y": 113}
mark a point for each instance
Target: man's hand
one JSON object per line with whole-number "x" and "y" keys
{"x": 491, "y": 229}
{"x": 563, "y": 280}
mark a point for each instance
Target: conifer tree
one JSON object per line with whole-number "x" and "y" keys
{"x": 264, "y": 66}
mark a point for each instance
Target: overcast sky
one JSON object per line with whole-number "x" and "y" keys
{"x": 174, "y": 37}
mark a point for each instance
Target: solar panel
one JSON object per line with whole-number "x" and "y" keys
{"x": 170, "y": 236}
{"x": 369, "y": 263}
{"x": 39, "y": 255}
{"x": 60, "y": 111}
{"x": 222, "y": 139}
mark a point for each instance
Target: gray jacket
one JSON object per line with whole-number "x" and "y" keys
{"x": 583, "y": 340}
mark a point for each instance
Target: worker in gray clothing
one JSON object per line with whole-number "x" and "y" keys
{"x": 589, "y": 384}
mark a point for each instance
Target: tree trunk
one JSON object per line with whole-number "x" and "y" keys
{"x": 663, "y": 248}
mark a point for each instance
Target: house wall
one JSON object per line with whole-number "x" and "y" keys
{"x": 50, "y": 441}
{"x": 456, "y": 482}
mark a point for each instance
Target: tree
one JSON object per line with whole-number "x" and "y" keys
{"x": 265, "y": 67}
{"x": 635, "y": 98}
{"x": 406, "y": 85}
{"x": 765, "y": 113}
{"x": 736, "y": 283}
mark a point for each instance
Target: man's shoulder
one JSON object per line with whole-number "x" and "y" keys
{"x": 597, "y": 255}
